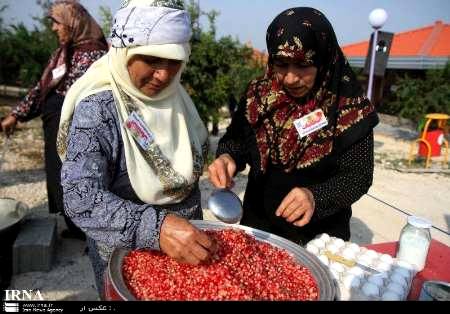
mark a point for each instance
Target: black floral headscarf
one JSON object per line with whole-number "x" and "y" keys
{"x": 305, "y": 35}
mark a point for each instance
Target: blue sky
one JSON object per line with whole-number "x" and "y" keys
{"x": 248, "y": 19}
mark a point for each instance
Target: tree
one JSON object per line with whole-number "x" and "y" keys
{"x": 218, "y": 69}
{"x": 3, "y": 8}
{"x": 106, "y": 19}
{"x": 25, "y": 53}
{"x": 414, "y": 98}
{"x": 43, "y": 20}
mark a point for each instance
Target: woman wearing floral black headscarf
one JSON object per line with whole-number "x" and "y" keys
{"x": 305, "y": 129}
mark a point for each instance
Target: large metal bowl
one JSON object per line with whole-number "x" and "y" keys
{"x": 328, "y": 290}
{"x": 11, "y": 213}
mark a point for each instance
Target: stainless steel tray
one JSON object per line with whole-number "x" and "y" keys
{"x": 328, "y": 290}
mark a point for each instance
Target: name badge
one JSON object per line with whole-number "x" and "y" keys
{"x": 311, "y": 123}
{"x": 59, "y": 72}
{"x": 139, "y": 130}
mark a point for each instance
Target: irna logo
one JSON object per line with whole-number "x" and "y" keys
{"x": 23, "y": 295}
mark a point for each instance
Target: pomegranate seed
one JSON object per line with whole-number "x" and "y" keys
{"x": 242, "y": 269}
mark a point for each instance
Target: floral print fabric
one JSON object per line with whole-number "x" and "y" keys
{"x": 31, "y": 106}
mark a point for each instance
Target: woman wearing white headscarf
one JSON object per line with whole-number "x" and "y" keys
{"x": 133, "y": 143}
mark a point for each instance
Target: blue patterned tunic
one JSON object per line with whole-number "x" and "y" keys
{"x": 98, "y": 196}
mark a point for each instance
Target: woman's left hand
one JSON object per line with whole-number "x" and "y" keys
{"x": 297, "y": 207}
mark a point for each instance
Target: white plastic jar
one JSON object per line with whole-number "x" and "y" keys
{"x": 415, "y": 240}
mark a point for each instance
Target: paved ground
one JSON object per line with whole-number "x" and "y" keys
{"x": 427, "y": 195}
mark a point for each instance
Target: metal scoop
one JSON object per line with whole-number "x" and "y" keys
{"x": 225, "y": 206}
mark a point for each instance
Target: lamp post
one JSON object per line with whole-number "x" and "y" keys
{"x": 377, "y": 18}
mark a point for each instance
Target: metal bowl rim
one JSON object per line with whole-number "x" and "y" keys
{"x": 318, "y": 269}
{"x": 21, "y": 215}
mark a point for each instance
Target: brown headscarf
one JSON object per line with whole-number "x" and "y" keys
{"x": 85, "y": 34}
{"x": 306, "y": 36}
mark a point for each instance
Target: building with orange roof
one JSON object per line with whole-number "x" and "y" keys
{"x": 419, "y": 49}
{"x": 259, "y": 57}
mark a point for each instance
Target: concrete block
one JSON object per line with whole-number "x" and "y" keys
{"x": 7, "y": 240}
{"x": 34, "y": 248}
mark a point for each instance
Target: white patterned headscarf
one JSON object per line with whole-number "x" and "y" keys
{"x": 167, "y": 170}
{"x": 162, "y": 22}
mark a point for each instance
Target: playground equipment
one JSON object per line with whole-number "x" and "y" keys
{"x": 431, "y": 141}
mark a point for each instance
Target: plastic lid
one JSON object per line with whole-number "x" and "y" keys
{"x": 419, "y": 222}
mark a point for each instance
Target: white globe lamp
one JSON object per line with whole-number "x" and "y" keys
{"x": 377, "y": 18}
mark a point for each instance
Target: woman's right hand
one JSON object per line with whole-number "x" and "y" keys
{"x": 180, "y": 240}
{"x": 221, "y": 171}
{"x": 9, "y": 124}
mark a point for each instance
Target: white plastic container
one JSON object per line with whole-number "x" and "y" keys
{"x": 415, "y": 240}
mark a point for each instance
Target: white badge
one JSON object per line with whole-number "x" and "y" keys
{"x": 59, "y": 72}
{"x": 310, "y": 123}
{"x": 139, "y": 130}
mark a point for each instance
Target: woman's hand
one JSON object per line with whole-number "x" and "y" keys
{"x": 180, "y": 240}
{"x": 9, "y": 124}
{"x": 297, "y": 207}
{"x": 221, "y": 171}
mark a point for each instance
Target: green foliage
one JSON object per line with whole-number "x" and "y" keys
{"x": 106, "y": 19}
{"x": 3, "y": 8}
{"x": 414, "y": 98}
{"x": 25, "y": 53}
{"x": 218, "y": 69}
{"x": 43, "y": 20}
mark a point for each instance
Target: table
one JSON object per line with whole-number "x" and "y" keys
{"x": 436, "y": 268}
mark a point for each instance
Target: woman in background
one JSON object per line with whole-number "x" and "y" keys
{"x": 81, "y": 43}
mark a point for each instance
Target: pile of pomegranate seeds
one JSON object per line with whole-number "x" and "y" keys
{"x": 243, "y": 269}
